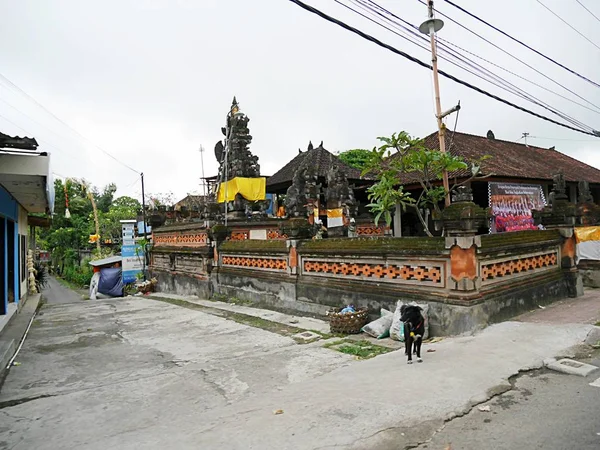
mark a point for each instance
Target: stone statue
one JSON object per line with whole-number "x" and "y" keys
{"x": 462, "y": 194}
{"x": 234, "y": 156}
{"x": 295, "y": 196}
{"x": 559, "y": 186}
{"x": 585, "y": 195}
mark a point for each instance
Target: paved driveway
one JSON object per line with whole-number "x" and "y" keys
{"x": 137, "y": 373}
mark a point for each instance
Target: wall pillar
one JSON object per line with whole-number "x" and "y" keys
{"x": 292, "y": 246}
{"x": 567, "y": 262}
{"x": 464, "y": 263}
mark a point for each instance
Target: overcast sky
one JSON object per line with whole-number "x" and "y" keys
{"x": 149, "y": 81}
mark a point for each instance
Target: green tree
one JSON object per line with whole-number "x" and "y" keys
{"x": 358, "y": 158}
{"x": 399, "y": 155}
{"x": 123, "y": 208}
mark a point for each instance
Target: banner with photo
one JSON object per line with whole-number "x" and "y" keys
{"x": 511, "y": 205}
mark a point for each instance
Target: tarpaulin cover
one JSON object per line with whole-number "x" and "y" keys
{"x": 251, "y": 189}
{"x": 111, "y": 282}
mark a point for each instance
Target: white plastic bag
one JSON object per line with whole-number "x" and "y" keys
{"x": 397, "y": 328}
{"x": 380, "y": 328}
{"x": 94, "y": 285}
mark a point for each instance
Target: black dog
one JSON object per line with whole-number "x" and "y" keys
{"x": 414, "y": 328}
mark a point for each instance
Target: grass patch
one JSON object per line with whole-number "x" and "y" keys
{"x": 244, "y": 319}
{"x": 361, "y": 349}
{"x": 598, "y": 323}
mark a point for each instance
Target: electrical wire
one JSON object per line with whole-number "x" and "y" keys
{"x": 512, "y": 56}
{"x": 570, "y": 26}
{"x": 71, "y": 154}
{"x": 591, "y": 13}
{"x": 14, "y": 86}
{"x": 474, "y": 16}
{"x": 441, "y": 72}
{"x": 44, "y": 141}
{"x": 564, "y": 139}
{"x": 475, "y": 69}
{"x": 444, "y": 41}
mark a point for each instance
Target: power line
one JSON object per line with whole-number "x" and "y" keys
{"x": 512, "y": 56}
{"x": 38, "y": 123}
{"x": 422, "y": 64}
{"x": 521, "y": 42}
{"x": 517, "y": 75}
{"x": 27, "y": 132}
{"x": 483, "y": 73}
{"x": 64, "y": 123}
{"x": 445, "y": 43}
{"x": 591, "y": 13}
{"x": 570, "y": 26}
{"x": 563, "y": 139}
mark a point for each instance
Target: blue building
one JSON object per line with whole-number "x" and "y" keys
{"x": 26, "y": 187}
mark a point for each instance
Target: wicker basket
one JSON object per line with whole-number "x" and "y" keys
{"x": 348, "y": 323}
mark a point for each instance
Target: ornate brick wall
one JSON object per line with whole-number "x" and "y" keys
{"x": 255, "y": 262}
{"x": 499, "y": 270}
{"x": 180, "y": 239}
{"x": 430, "y": 273}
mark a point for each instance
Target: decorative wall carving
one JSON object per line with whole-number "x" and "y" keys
{"x": 426, "y": 273}
{"x": 501, "y": 270}
{"x": 180, "y": 239}
{"x": 370, "y": 230}
{"x": 268, "y": 263}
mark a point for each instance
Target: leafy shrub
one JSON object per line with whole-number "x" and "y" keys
{"x": 41, "y": 276}
{"x": 81, "y": 276}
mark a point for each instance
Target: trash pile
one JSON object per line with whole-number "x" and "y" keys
{"x": 145, "y": 287}
{"x": 390, "y": 325}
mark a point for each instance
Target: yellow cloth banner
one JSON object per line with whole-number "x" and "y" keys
{"x": 251, "y": 189}
{"x": 584, "y": 234}
{"x": 334, "y": 213}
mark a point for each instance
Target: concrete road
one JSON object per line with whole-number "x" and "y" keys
{"x": 55, "y": 292}
{"x": 137, "y": 373}
{"x": 545, "y": 410}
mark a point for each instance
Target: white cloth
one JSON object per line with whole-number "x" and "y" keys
{"x": 588, "y": 250}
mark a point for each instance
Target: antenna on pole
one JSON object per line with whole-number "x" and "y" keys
{"x": 201, "y": 150}
{"x": 525, "y": 138}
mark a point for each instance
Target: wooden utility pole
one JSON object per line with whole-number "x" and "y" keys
{"x": 430, "y": 27}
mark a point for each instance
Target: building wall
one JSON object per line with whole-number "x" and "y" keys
{"x": 23, "y": 246}
{"x": 8, "y": 222}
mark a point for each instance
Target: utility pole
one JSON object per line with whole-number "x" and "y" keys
{"x": 144, "y": 225}
{"x": 430, "y": 27}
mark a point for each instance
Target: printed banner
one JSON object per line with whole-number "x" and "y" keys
{"x": 512, "y": 204}
{"x": 132, "y": 254}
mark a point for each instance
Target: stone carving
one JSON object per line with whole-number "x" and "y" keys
{"x": 462, "y": 194}
{"x": 559, "y": 186}
{"x": 585, "y": 195}
{"x": 235, "y": 158}
{"x": 560, "y": 212}
{"x": 587, "y": 210}
{"x": 295, "y": 196}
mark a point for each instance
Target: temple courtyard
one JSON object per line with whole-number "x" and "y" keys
{"x": 180, "y": 372}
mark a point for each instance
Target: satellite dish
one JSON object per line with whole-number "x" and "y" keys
{"x": 425, "y": 26}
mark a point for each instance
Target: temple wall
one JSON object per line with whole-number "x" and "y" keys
{"x": 468, "y": 282}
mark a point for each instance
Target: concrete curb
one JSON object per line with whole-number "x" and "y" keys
{"x": 14, "y": 331}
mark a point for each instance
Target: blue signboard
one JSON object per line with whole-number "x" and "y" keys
{"x": 131, "y": 253}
